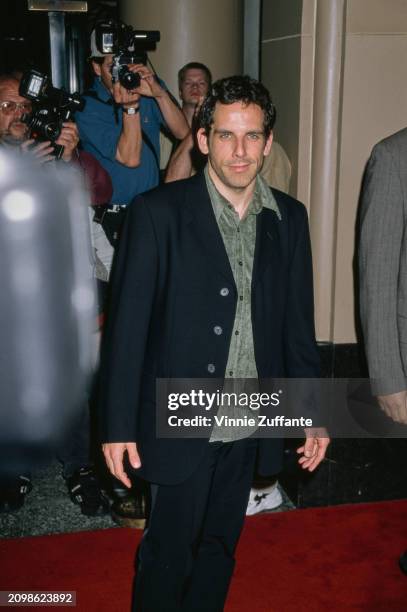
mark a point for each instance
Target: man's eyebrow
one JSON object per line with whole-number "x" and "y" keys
{"x": 226, "y": 131}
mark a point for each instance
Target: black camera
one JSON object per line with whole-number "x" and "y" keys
{"x": 51, "y": 107}
{"x": 128, "y": 47}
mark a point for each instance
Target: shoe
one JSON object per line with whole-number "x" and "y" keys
{"x": 85, "y": 491}
{"x": 261, "y": 500}
{"x": 403, "y": 562}
{"x": 12, "y": 494}
{"x": 130, "y": 511}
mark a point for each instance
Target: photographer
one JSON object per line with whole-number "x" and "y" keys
{"x": 74, "y": 452}
{"x": 14, "y": 132}
{"x": 121, "y": 128}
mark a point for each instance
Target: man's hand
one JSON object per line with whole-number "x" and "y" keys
{"x": 196, "y": 111}
{"x": 395, "y": 406}
{"x": 42, "y": 151}
{"x": 314, "y": 449}
{"x": 114, "y": 453}
{"x": 68, "y": 138}
{"x": 149, "y": 86}
{"x": 123, "y": 96}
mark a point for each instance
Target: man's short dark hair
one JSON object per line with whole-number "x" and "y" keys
{"x": 194, "y": 66}
{"x": 237, "y": 89}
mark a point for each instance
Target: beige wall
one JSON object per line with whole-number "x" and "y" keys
{"x": 370, "y": 62}
{"x": 281, "y": 72}
{"x": 189, "y": 32}
{"x": 374, "y": 106}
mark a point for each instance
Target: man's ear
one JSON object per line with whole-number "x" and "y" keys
{"x": 202, "y": 140}
{"x": 97, "y": 68}
{"x": 268, "y": 144}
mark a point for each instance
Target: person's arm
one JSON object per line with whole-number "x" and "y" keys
{"x": 68, "y": 138}
{"x": 395, "y": 406}
{"x": 128, "y": 150}
{"x": 133, "y": 287}
{"x": 314, "y": 449}
{"x": 301, "y": 353}
{"x": 180, "y": 164}
{"x": 114, "y": 453}
{"x": 41, "y": 151}
{"x": 381, "y": 235}
{"x": 172, "y": 114}
{"x": 102, "y": 135}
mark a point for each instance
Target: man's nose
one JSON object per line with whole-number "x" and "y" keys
{"x": 18, "y": 112}
{"x": 240, "y": 147}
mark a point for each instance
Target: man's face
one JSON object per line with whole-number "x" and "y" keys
{"x": 236, "y": 144}
{"x": 103, "y": 71}
{"x": 194, "y": 86}
{"x": 10, "y": 119}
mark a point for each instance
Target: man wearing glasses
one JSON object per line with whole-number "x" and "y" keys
{"x": 12, "y": 107}
{"x": 13, "y": 131}
{"x": 74, "y": 452}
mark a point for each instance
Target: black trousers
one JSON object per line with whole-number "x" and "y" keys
{"x": 186, "y": 557}
{"x": 74, "y": 451}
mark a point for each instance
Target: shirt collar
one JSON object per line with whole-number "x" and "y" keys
{"x": 262, "y": 198}
{"x": 266, "y": 196}
{"x": 101, "y": 91}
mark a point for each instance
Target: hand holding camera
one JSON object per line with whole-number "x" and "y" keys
{"x": 52, "y": 108}
{"x": 123, "y": 96}
{"x": 68, "y": 138}
{"x": 149, "y": 86}
{"x": 42, "y": 151}
{"x": 129, "y": 49}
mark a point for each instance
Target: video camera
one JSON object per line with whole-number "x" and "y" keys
{"x": 128, "y": 46}
{"x": 51, "y": 108}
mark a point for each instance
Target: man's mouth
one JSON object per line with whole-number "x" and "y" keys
{"x": 241, "y": 167}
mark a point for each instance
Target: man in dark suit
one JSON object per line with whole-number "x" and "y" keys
{"x": 213, "y": 280}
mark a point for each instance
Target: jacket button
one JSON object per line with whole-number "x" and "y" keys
{"x": 211, "y": 368}
{"x": 218, "y": 330}
{"x": 224, "y": 291}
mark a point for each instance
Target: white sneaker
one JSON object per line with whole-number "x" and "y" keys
{"x": 267, "y": 498}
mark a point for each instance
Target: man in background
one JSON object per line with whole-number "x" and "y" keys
{"x": 121, "y": 128}
{"x": 194, "y": 83}
{"x": 383, "y": 276}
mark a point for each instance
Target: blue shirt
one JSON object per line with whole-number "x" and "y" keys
{"x": 99, "y": 133}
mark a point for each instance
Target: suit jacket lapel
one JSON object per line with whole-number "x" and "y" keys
{"x": 204, "y": 227}
{"x": 267, "y": 252}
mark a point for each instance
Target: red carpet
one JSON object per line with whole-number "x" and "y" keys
{"x": 322, "y": 559}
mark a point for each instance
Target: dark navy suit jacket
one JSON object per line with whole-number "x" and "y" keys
{"x": 167, "y": 300}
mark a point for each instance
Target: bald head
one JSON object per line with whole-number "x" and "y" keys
{"x": 11, "y": 126}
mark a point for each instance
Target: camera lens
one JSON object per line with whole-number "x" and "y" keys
{"x": 128, "y": 79}
{"x": 44, "y": 127}
{"x": 52, "y": 130}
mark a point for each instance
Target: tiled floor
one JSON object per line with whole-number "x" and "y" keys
{"x": 48, "y": 509}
